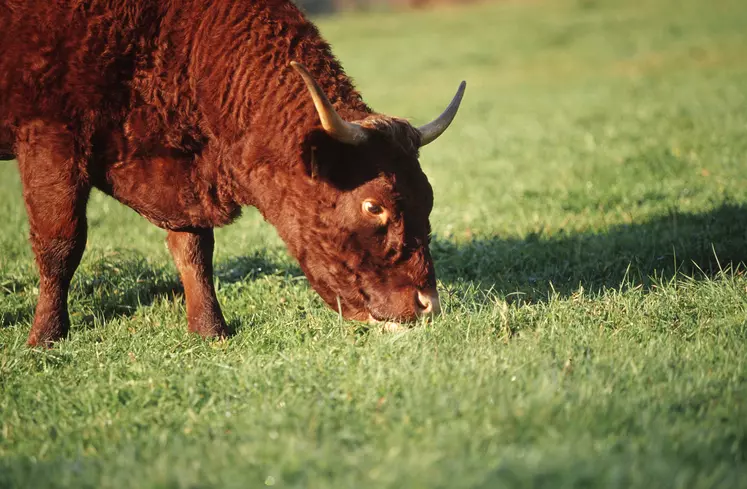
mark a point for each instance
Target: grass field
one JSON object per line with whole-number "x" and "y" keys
{"x": 590, "y": 219}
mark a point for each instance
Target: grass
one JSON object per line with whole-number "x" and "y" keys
{"x": 590, "y": 221}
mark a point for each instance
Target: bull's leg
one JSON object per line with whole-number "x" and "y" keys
{"x": 55, "y": 192}
{"x": 193, "y": 255}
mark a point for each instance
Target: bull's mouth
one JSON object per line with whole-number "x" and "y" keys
{"x": 387, "y": 326}
{"x": 425, "y": 305}
{"x": 428, "y": 306}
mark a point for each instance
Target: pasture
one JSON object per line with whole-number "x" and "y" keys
{"x": 589, "y": 225}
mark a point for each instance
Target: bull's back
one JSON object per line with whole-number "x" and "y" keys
{"x": 28, "y": 36}
{"x": 69, "y": 62}
{"x": 8, "y": 27}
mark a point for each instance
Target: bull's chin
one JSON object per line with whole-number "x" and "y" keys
{"x": 387, "y": 326}
{"x": 365, "y": 316}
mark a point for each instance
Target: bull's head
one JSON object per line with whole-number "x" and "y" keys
{"x": 367, "y": 248}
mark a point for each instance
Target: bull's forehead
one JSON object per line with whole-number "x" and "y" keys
{"x": 399, "y": 181}
{"x": 400, "y": 176}
{"x": 396, "y": 131}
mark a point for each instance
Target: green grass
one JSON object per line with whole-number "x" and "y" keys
{"x": 590, "y": 221}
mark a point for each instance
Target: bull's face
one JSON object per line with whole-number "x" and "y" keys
{"x": 366, "y": 250}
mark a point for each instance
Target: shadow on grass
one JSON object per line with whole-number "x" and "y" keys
{"x": 530, "y": 269}
{"x": 527, "y": 269}
{"x": 117, "y": 284}
{"x": 14, "y": 308}
{"x": 15, "y": 316}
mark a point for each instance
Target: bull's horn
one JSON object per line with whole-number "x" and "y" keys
{"x": 431, "y": 131}
{"x": 345, "y": 132}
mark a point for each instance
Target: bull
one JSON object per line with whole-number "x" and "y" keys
{"x": 188, "y": 110}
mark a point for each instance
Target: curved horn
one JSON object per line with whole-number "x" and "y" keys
{"x": 431, "y": 131}
{"x": 345, "y": 132}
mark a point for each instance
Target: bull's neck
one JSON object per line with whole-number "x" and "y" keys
{"x": 254, "y": 103}
{"x": 273, "y": 171}
{"x": 241, "y": 70}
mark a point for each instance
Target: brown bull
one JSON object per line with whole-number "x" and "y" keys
{"x": 187, "y": 110}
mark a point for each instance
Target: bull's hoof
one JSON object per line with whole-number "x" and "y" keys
{"x": 209, "y": 325}
{"x": 46, "y": 333}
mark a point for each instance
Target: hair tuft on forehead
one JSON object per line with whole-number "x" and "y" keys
{"x": 395, "y": 129}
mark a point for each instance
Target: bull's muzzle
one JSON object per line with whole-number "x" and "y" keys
{"x": 427, "y": 302}
{"x": 427, "y": 305}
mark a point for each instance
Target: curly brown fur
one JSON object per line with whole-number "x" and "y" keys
{"x": 186, "y": 110}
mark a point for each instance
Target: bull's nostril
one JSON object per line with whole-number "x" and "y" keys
{"x": 425, "y": 304}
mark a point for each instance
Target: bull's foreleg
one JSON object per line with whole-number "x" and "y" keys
{"x": 55, "y": 191}
{"x": 193, "y": 255}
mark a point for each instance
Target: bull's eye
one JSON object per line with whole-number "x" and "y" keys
{"x": 373, "y": 208}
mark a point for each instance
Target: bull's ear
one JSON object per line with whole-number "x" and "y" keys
{"x": 323, "y": 157}
{"x": 334, "y": 163}
{"x": 313, "y": 163}
{"x": 317, "y": 162}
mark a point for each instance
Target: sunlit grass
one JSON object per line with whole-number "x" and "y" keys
{"x": 589, "y": 228}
